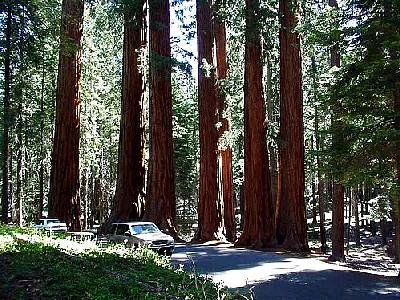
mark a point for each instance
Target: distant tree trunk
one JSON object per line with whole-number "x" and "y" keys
{"x": 161, "y": 202}
{"x": 318, "y": 146}
{"x": 290, "y": 219}
{"x": 396, "y": 197}
{"x": 128, "y": 203}
{"x": 272, "y": 151}
{"x": 40, "y": 204}
{"x": 225, "y": 151}
{"x": 19, "y": 175}
{"x": 357, "y": 198}
{"x": 6, "y": 113}
{"x": 259, "y": 229}
{"x": 64, "y": 182}
{"x": 210, "y": 220}
{"x": 338, "y": 200}
{"x": 314, "y": 192}
{"x": 19, "y": 150}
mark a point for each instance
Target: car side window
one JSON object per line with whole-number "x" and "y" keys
{"x": 121, "y": 229}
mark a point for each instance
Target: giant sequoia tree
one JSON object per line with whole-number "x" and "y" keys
{"x": 128, "y": 204}
{"x": 290, "y": 220}
{"x": 161, "y": 202}
{"x": 64, "y": 202}
{"x": 209, "y": 209}
{"x": 259, "y": 229}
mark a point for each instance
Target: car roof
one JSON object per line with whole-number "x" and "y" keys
{"x": 134, "y": 223}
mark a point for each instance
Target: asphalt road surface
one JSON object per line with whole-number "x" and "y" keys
{"x": 279, "y": 276}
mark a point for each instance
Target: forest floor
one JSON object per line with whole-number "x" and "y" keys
{"x": 367, "y": 274}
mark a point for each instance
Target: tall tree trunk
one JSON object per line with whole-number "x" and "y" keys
{"x": 19, "y": 175}
{"x": 40, "y": 204}
{"x": 210, "y": 219}
{"x": 318, "y": 144}
{"x": 161, "y": 202}
{"x": 338, "y": 200}
{"x": 6, "y": 113}
{"x": 314, "y": 192}
{"x": 64, "y": 182}
{"x": 272, "y": 151}
{"x": 290, "y": 219}
{"x": 259, "y": 221}
{"x": 225, "y": 151}
{"x": 19, "y": 150}
{"x": 128, "y": 200}
{"x": 396, "y": 196}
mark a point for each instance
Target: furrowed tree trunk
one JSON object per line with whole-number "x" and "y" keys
{"x": 6, "y": 113}
{"x": 64, "y": 181}
{"x": 290, "y": 219}
{"x": 128, "y": 199}
{"x": 259, "y": 220}
{"x": 225, "y": 151}
{"x": 338, "y": 224}
{"x": 161, "y": 201}
{"x": 210, "y": 219}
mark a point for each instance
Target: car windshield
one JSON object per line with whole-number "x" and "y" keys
{"x": 144, "y": 228}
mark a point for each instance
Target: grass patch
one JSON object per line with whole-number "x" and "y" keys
{"x": 42, "y": 269}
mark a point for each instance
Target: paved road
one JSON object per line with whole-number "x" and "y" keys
{"x": 277, "y": 276}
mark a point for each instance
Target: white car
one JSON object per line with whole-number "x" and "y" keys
{"x": 52, "y": 225}
{"x": 136, "y": 234}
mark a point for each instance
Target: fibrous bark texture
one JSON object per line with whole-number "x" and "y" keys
{"x": 225, "y": 151}
{"x": 290, "y": 219}
{"x": 210, "y": 219}
{"x": 338, "y": 224}
{"x": 161, "y": 202}
{"x": 128, "y": 200}
{"x": 259, "y": 229}
{"x": 64, "y": 202}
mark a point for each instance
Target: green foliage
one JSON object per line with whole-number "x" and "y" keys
{"x": 43, "y": 270}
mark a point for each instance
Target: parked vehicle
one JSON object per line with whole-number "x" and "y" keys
{"x": 137, "y": 234}
{"x": 52, "y": 225}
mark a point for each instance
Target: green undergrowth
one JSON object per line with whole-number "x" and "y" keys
{"x": 43, "y": 268}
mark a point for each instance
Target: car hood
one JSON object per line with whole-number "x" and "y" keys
{"x": 154, "y": 236}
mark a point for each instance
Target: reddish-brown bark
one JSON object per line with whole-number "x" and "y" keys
{"x": 225, "y": 151}
{"x": 128, "y": 200}
{"x": 259, "y": 229}
{"x": 338, "y": 223}
{"x": 290, "y": 219}
{"x": 161, "y": 202}
{"x": 210, "y": 220}
{"x": 64, "y": 202}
